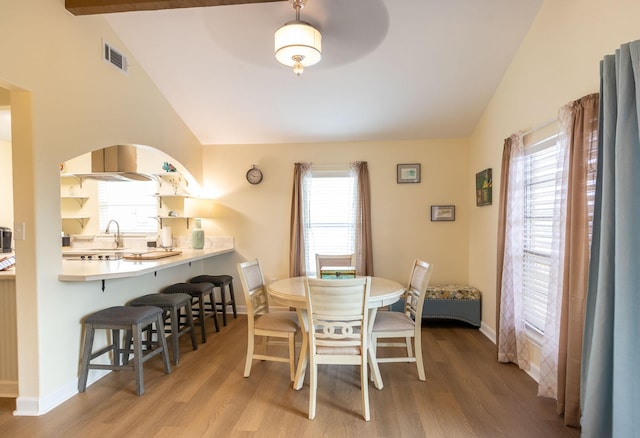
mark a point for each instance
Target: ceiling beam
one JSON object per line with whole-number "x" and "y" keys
{"x": 89, "y": 7}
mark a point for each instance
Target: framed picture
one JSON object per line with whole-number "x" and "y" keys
{"x": 443, "y": 213}
{"x": 408, "y": 173}
{"x": 484, "y": 183}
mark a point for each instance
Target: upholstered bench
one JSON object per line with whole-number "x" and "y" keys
{"x": 451, "y": 301}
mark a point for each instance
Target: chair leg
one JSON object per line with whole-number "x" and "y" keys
{"x": 407, "y": 340}
{"x": 249, "y": 360}
{"x": 292, "y": 356}
{"x": 86, "y": 357}
{"x": 364, "y": 383}
{"x": 313, "y": 387}
{"x": 419, "y": 362}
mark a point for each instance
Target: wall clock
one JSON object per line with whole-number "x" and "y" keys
{"x": 254, "y": 175}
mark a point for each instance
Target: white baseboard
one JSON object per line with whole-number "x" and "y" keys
{"x": 488, "y": 332}
{"x": 33, "y": 406}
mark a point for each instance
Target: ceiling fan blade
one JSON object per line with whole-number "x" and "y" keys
{"x": 89, "y": 7}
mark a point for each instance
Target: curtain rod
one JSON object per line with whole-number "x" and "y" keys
{"x": 541, "y": 126}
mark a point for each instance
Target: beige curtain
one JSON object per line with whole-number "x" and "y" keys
{"x": 502, "y": 220}
{"x": 579, "y": 121}
{"x": 364, "y": 247}
{"x": 296, "y": 241}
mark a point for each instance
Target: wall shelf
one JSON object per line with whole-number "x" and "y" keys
{"x": 80, "y": 199}
{"x": 81, "y": 220}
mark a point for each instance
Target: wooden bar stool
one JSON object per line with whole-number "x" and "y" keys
{"x": 117, "y": 318}
{"x": 180, "y": 322}
{"x": 222, "y": 282}
{"x": 202, "y": 307}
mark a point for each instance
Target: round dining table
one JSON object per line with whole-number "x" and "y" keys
{"x": 291, "y": 292}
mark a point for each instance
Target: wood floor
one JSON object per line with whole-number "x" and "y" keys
{"x": 467, "y": 394}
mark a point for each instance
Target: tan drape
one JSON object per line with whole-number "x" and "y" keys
{"x": 582, "y": 130}
{"x": 502, "y": 220}
{"x": 296, "y": 241}
{"x": 364, "y": 246}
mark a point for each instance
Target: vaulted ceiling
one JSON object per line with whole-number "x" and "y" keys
{"x": 390, "y": 69}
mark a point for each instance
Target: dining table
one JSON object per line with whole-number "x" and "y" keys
{"x": 291, "y": 292}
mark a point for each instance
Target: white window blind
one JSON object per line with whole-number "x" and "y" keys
{"x": 131, "y": 204}
{"x": 540, "y": 182}
{"x": 330, "y": 215}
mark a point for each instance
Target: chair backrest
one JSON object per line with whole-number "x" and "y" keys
{"x": 337, "y": 310}
{"x": 255, "y": 292}
{"x": 334, "y": 260}
{"x": 417, "y": 288}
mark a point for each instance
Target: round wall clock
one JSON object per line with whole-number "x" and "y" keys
{"x": 254, "y": 175}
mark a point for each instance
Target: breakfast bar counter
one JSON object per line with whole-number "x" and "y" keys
{"x": 91, "y": 270}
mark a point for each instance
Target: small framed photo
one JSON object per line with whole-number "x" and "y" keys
{"x": 443, "y": 213}
{"x": 408, "y": 173}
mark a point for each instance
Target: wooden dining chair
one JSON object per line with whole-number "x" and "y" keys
{"x": 337, "y": 312}
{"x": 340, "y": 260}
{"x": 262, "y": 322}
{"x": 406, "y": 324}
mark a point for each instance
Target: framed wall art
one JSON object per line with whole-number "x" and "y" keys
{"x": 408, "y": 173}
{"x": 443, "y": 213}
{"x": 484, "y": 184}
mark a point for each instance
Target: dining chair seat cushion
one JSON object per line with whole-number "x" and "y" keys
{"x": 279, "y": 321}
{"x": 392, "y": 321}
{"x": 123, "y": 315}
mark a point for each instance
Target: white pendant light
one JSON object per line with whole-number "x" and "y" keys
{"x": 297, "y": 43}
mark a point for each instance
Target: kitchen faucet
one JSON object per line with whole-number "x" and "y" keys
{"x": 116, "y": 235}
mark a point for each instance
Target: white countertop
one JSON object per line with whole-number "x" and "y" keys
{"x": 90, "y": 270}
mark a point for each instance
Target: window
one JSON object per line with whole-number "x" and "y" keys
{"x": 131, "y": 204}
{"x": 330, "y": 197}
{"x": 540, "y": 178}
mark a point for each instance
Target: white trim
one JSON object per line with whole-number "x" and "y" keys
{"x": 33, "y": 406}
{"x": 488, "y": 332}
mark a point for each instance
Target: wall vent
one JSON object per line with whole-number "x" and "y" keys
{"x": 114, "y": 57}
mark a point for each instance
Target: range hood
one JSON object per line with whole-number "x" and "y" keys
{"x": 115, "y": 163}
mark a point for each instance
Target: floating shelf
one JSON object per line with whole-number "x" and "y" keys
{"x": 81, "y": 220}
{"x": 80, "y": 199}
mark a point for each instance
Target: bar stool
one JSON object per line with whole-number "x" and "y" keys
{"x": 220, "y": 281}
{"x": 201, "y": 307}
{"x": 172, "y": 306}
{"x": 123, "y": 318}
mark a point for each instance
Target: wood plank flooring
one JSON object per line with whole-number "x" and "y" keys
{"x": 467, "y": 394}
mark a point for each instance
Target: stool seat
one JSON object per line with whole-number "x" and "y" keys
{"x": 133, "y": 320}
{"x": 202, "y": 308}
{"x": 220, "y": 281}
{"x": 172, "y": 306}
{"x": 122, "y": 315}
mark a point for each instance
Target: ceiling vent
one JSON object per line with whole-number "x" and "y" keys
{"x": 114, "y": 57}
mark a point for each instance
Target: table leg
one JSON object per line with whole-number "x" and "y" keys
{"x": 373, "y": 362}
{"x": 304, "y": 349}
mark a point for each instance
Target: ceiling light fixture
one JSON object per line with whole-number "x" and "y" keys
{"x": 297, "y": 43}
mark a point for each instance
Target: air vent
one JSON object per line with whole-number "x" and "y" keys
{"x": 114, "y": 57}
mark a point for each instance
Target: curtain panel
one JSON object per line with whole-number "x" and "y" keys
{"x": 297, "y": 225}
{"x": 610, "y": 396}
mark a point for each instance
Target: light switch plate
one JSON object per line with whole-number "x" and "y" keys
{"x": 19, "y": 231}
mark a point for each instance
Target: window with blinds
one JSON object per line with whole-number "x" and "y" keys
{"x": 131, "y": 204}
{"x": 330, "y": 215}
{"x": 540, "y": 183}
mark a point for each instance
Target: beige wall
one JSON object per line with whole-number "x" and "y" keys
{"x": 66, "y": 101}
{"x": 258, "y": 216}
{"x": 557, "y": 62}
